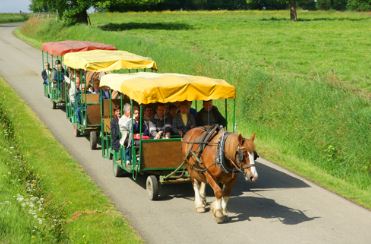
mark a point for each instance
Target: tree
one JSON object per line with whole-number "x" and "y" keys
{"x": 293, "y": 14}
{"x": 70, "y": 11}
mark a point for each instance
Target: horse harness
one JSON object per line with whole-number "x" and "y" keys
{"x": 239, "y": 155}
{"x": 210, "y": 133}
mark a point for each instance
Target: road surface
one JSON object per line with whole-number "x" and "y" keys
{"x": 280, "y": 208}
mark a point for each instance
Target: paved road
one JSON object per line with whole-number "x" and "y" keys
{"x": 280, "y": 208}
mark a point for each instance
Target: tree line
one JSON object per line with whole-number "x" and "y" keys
{"x": 75, "y": 11}
{"x": 125, "y": 5}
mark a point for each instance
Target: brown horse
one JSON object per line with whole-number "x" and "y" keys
{"x": 218, "y": 160}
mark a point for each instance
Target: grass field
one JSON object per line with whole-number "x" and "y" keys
{"x": 303, "y": 87}
{"x": 34, "y": 204}
{"x": 8, "y": 17}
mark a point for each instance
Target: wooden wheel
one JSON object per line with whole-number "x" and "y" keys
{"x": 152, "y": 187}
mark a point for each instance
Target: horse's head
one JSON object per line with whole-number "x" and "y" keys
{"x": 245, "y": 157}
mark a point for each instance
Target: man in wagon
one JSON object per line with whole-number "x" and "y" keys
{"x": 162, "y": 122}
{"x": 184, "y": 120}
{"x": 45, "y": 74}
{"x": 115, "y": 129}
{"x": 210, "y": 115}
{"x": 149, "y": 128}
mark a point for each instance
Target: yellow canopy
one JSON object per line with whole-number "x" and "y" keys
{"x": 148, "y": 87}
{"x": 107, "y": 60}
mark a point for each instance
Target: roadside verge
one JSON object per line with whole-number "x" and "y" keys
{"x": 55, "y": 199}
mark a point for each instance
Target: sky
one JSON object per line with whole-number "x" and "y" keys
{"x": 13, "y": 6}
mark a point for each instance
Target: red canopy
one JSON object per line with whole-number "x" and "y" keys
{"x": 63, "y": 47}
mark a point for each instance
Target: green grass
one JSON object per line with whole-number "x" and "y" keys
{"x": 35, "y": 172}
{"x": 303, "y": 87}
{"x": 9, "y": 17}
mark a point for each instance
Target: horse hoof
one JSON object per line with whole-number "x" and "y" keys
{"x": 219, "y": 220}
{"x": 226, "y": 218}
{"x": 200, "y": 210}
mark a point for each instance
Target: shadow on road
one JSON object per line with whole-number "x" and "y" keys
{"x": 269, "y": 178}
{"x": 246, "y": 207}
{"x": 148, "y": 26}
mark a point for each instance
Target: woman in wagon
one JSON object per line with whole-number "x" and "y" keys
{"x": 125, "y": 123}
{"x": 210, "y": 115}
{"x": 45, "y": 74}
{"x": 184, "y": 120}
{"x": 162, "y": 122}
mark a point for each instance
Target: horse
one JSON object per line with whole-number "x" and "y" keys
{"x": 215, "y": 156}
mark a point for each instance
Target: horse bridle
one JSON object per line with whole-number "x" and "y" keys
{"x": 239, "y": 156}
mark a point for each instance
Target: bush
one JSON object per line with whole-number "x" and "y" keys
{"x": 267, "y": 4}
{"x": 332, "y": 4}
{"x": 360, "y": 5}
{"x": 307, "y": 4}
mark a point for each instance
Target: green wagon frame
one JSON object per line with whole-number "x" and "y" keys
{"x": 148, "y": 88}
{"x": 51, "y": 51}
{"x": 98, "y": 61}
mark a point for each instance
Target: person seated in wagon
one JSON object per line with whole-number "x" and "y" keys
{"x": 184, "y": 120}
{"x": 210, "y": 115}
{"x": 45, "y": 74}
{"x": 115, "y": 129}
{"x": 73, "y": 86}
{"x": 125, "y": 123}
{"x": 162, "y": 122}
{"x": 58, "y": 73}
{"x": 80, "y": 90}
{"x": 149, "y": 128}
{"x": 136, "y": 126}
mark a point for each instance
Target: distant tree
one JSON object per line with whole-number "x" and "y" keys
{"x": 293, "y": 14}
{"x": 71, "y": 11}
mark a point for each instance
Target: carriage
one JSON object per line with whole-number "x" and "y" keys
{"x": 52, "y": 51}
{"x": 84, "y": 110}
{"x": 160, "y": 160}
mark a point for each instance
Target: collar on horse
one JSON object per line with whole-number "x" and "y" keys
{"x": 236, "y": 161}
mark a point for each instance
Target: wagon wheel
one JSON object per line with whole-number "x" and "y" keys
{"x": 117, "y": 171}
{"x": 54, "y": 105}
{"x": 93, "y": 140}
{"x": 152, "y": 187}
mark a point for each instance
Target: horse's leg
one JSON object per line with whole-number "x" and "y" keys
{"x": 227, "y": 188}
{"x": 203, "y": 193}
{"x": 200, "y": 207}
{"x": 216, "y": 206}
